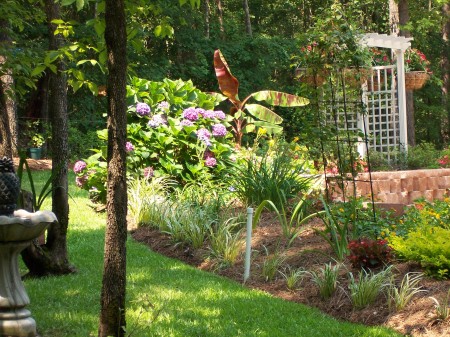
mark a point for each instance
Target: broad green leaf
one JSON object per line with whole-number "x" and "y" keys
{"x": 218, "y": 96}
{"x": 52, "y": 67}
{"x": 67, "y": 2}
{"x": 249, "y": 128}
{"x": 80, "y": 5}
{"x": 263, "y": 113}
{"x": 93, "y": 88}
{"x": 279, "y": 98}
{"x": 270, "y": 128}
{"x": 158, "y": 31}
{"x": 228, "y": 84}
{"x": 99, "y": 27}
{"x": 38, "y": 70}
{"x": 57, "y": 21}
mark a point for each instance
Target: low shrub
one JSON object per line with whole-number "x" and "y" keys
{"x": 368, "y": 253}
{"x": 172, "y": 131}
{"x": 428, "y": 246}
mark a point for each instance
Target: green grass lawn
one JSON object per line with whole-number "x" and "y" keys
{"x": 191, "y": 302}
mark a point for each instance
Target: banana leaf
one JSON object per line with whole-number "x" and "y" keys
{"x": 279, "y": 98}
{"x": 228, "y": 84}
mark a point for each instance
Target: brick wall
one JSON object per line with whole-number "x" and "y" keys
{"x": 401, "y": 187}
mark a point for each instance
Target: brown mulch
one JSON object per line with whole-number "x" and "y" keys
{"x": 36, "y": 165}
{"x": 311, "y": 252}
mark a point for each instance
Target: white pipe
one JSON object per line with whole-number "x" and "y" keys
{"x": 248, "y": 246}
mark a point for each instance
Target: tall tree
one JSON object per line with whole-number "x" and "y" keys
{"x": 52, "y": 257}
{"x": 445, "y": 66}
{"x": 112, "y": 315}
{"x": 207, "y": 14}
{"x": 248, "y": 24}
{"x": 5, "y": 136}
{"x": 220, "y": 15}
{"x": 8, "y": 83}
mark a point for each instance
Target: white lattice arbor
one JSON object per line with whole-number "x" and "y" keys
{"x": 385, "y": 97}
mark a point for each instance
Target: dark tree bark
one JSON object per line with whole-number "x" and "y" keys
{"x": 207, "y": 13}
{"x": 403, "y": 15}
{"x": 220, "y": 15}
{"x": 445, "y": 66}
{"x": 5, "y": 136}
{"x": 8, "y": 84}
{"x": 112, "y": 315}
{"x": 248, "y": 24}
{"x": 52, "y": 258}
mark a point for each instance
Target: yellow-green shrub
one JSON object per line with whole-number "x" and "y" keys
{"x": 428, "y": 246}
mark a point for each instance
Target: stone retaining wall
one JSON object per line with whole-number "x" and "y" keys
{"x": 401, "y": 187}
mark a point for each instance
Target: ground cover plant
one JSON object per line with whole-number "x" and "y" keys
{"x": 165, "y": 297}
{"x": 305, "y": 270}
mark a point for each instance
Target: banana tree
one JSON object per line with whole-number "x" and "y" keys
{"x": 245, "y": 117}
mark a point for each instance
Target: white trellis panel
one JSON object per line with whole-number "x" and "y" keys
{"x": 382, "y": 121}
{"x": 387, "y": 107}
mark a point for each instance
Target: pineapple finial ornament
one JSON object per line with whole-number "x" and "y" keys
{"x": 9, "y": 187}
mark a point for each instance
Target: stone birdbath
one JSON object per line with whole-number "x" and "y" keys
{"x": 17, "y": 230}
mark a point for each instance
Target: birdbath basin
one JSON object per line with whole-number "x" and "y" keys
{"x": 16, "y": 233}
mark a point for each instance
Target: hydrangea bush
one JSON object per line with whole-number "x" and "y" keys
{"x": 172, "y": 130}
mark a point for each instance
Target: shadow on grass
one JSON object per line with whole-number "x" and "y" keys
{"x": 193, "y": 302}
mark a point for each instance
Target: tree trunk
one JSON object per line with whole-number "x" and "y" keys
{"x": 445, "y": 66}
{"x": 393, "y": 17}
{"x": 220, "y": 15}
{"x": 248, "y": 24}
{"x": 5, "y": 136}
{"x": 8, "y": 85}
{"x": 403, "y": 15}
{"x": 112, "y": 315}
{"x": 207, "y": 19}
{"x": 52, "y": 257}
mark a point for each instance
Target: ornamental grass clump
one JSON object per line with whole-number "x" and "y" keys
{"x": 275, "y": 176}
{"x": 400, "y": 296}
{"x": 442, "y": 309}
{"x": 326, "y": 279}
{"x": 293, "y": 276}
{"x": 369, "y": 285}
{"x": 226, "y": 241}
{"x": 272, "y": 265}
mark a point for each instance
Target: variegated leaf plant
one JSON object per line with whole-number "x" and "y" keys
{"x": 245, "y": 116}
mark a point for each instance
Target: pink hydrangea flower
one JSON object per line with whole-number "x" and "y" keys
{"x": 220, "y": 114}
{"x": 79, "y": 166}
{"x": 191, "y": 114}
{"x": 219, "y": 130}
{"x": 129, "y": 147}
{"x": 143, "y": 109}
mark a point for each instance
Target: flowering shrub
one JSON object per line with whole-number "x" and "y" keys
{"x": 312, "y": 56}
{"x": 172, "y": 130}
{"x": 380, "y": 58}
{"x": 369, "y": 253}
{"x": 415, "y": 60}
{"x": 422, "y": 235}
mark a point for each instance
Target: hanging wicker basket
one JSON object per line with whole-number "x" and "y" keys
{"x": 415, "y": 79}
{"x": 311, "y": 77}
